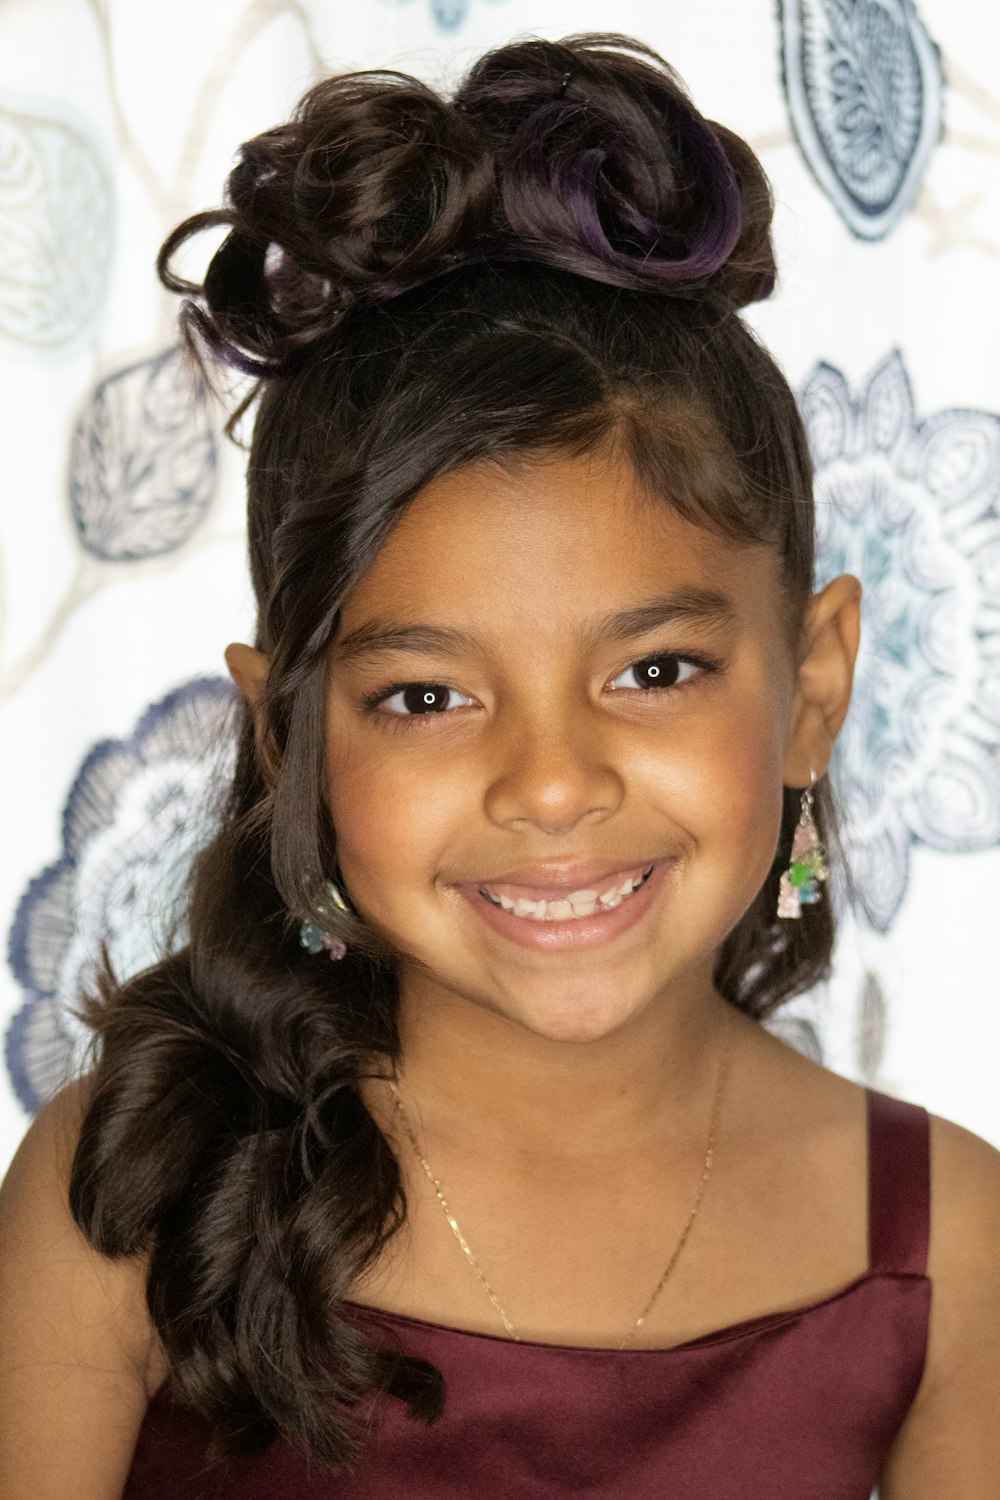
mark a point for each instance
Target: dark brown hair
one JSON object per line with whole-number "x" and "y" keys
{"x": 551, "y": 260}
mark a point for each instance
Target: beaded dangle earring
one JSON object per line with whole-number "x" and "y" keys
{"x": 801, "y": 881}
{"x": 314, "y": 938}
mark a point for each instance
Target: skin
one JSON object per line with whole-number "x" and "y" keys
{"x": 562, "y": 1098}
{"x": 545, "y": 761}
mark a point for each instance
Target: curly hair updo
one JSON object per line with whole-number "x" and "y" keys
{"x": 553, "y": 258}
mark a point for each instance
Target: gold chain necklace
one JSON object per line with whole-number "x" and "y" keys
{"x": 692, "y": 1214}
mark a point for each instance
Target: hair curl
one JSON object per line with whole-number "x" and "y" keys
{"x": 553, "y": 259}
{"x": 379, "y": 184}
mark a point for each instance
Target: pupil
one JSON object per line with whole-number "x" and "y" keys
{"x": 660, "y": 672}
{"x": 425, "y": 698}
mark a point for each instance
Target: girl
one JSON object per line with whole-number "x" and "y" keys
{"x": 447, "y": 1156}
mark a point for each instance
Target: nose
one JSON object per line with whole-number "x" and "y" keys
{"x": 551, "y": 772}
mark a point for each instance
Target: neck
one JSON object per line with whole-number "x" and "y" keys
{"x": 461, "y": 1062}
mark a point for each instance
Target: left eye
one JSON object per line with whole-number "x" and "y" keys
{"x": 657, "y": 672}
{"x": 424, "y": 698}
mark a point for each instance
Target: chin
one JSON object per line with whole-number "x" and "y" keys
{"x": 572, "y": 1018}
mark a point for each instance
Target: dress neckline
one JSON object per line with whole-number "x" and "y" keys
{"x": 744, "y": 1328}
{"x": 898, "y": 1226}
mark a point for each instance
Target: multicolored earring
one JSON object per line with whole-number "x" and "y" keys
{"x": 801, "y": 881}
{"x": 314, "y": 938}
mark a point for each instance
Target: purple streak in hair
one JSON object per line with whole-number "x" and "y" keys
{"x": 640, "y": 194}
{"x": 698, "y": 255}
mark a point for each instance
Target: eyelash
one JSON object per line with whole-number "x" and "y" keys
{"x": 372, "y": 702}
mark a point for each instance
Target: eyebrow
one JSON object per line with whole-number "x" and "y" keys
{"x": 693, "y": 606}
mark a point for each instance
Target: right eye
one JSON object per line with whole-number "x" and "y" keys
{"x": 423, "y": 698}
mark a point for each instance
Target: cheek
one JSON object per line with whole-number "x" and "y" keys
{"x": 722, "y": 786}
{"x": 393, "y": 821}
{"x": 748, "y": 805}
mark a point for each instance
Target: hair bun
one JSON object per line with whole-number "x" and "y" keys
{"x": 608, "y": 170}
{"x": 370, "y": 188}
{"x": 586, "y": 155}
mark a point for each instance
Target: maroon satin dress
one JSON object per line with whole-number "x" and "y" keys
{"x": 799, "y": 1403}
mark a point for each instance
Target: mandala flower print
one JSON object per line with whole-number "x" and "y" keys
{"x": 866, "y": 96}
{"x": 137, "y": 812}
{"x": 911, "y": 508}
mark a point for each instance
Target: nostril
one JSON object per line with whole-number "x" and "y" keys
{"x": 547, "y": 783}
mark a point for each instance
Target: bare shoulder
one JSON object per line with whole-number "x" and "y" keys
{"x": 965, "y": 1242}
{"x": 948, "y": 1443}
{"x": 966, "y": 1176}
{"x": 77, "y": 1353}
{"x": 799, "y": 1093}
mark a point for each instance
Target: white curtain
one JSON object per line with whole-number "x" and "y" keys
{"x": 122, "y": 573}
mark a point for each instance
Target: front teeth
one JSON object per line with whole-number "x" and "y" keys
{"x": 575, "y": 904}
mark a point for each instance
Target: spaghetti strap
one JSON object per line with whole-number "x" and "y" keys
{"x": 899, "y": 1197}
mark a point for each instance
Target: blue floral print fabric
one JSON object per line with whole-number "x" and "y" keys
{"x": 138, "y": 810}
{"x": 865, "y": 94}
{"x": 909, "y": 505}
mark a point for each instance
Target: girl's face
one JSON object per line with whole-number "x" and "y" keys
{"x": 550, "y": 684}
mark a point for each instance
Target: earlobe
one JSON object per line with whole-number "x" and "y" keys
{"x": 247, "y": 668}
{"x": 825, "y": 676}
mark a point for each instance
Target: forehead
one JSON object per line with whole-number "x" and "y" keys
{"x": 549, "y": 540}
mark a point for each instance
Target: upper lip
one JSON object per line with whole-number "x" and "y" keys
{"x": 566, "y": 874}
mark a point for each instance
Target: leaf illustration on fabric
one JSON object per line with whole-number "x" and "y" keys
{"x": 911, "y": 507}
{"x": 447, "y": 15}
{"x": 873, "y": 1026}
{"x": 57, "y": 217}
{"x": 865, "y": 94}
{"x": 137, "y": 812}
{"x": 144, "y": 459}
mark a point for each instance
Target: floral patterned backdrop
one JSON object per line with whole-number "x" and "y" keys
{"x": 122, "y": 573}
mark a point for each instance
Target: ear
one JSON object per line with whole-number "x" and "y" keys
{"x": 822, "y": 695}
{"x": 247, "y": 668}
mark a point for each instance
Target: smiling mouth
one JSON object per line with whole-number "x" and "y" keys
{"x": 573, "y": 905}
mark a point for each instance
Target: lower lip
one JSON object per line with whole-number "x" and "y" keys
{"x": 575, "y": 932}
